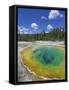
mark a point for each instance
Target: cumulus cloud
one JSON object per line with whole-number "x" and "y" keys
{"x": 61, "y": 15}
{"x": 20, "y": 30}
{"x": 23, "y": 30}
{"x": 34, "y": 26}
{"x": 43, "y": 17}
{"x": 53, "y": 14}
{"x": 46, "y": 32}
{"x": 49, "y": 27}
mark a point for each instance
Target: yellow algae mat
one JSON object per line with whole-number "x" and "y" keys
{"x": 45, "y": 61}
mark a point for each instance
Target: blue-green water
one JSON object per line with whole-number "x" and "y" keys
{"x": 48, "y": 55}
{"x": 46, "y": 61}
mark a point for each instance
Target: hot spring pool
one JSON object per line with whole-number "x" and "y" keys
{"x": 45, "y": 61}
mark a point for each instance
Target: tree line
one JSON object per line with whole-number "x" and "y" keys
{"x": 55, "y": 34}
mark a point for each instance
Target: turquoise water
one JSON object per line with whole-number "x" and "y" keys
{"x": 46, "y": 61}
{"x": 48, "y": 55}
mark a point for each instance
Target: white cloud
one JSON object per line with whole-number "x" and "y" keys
{"x": 49, "y": 27}
{"x": 34, "y": 26}
{"x": 20, "y": 31}
{"x": 23, "y": 30}
{"x": 53, "y": 14}
{"x": 61, "y": 15}
{"x": 43, "y": 17}
{"x": 46, "y": 32}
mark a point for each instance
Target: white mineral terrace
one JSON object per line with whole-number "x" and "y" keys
{"x": 24, "y": 74}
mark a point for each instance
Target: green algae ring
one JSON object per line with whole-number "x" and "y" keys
{"x": 45, "y": 61}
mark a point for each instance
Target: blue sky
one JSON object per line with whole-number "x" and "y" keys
{"x": 31, "y": 21}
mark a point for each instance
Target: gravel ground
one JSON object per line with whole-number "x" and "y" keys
{"x": 23, "y": 72}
